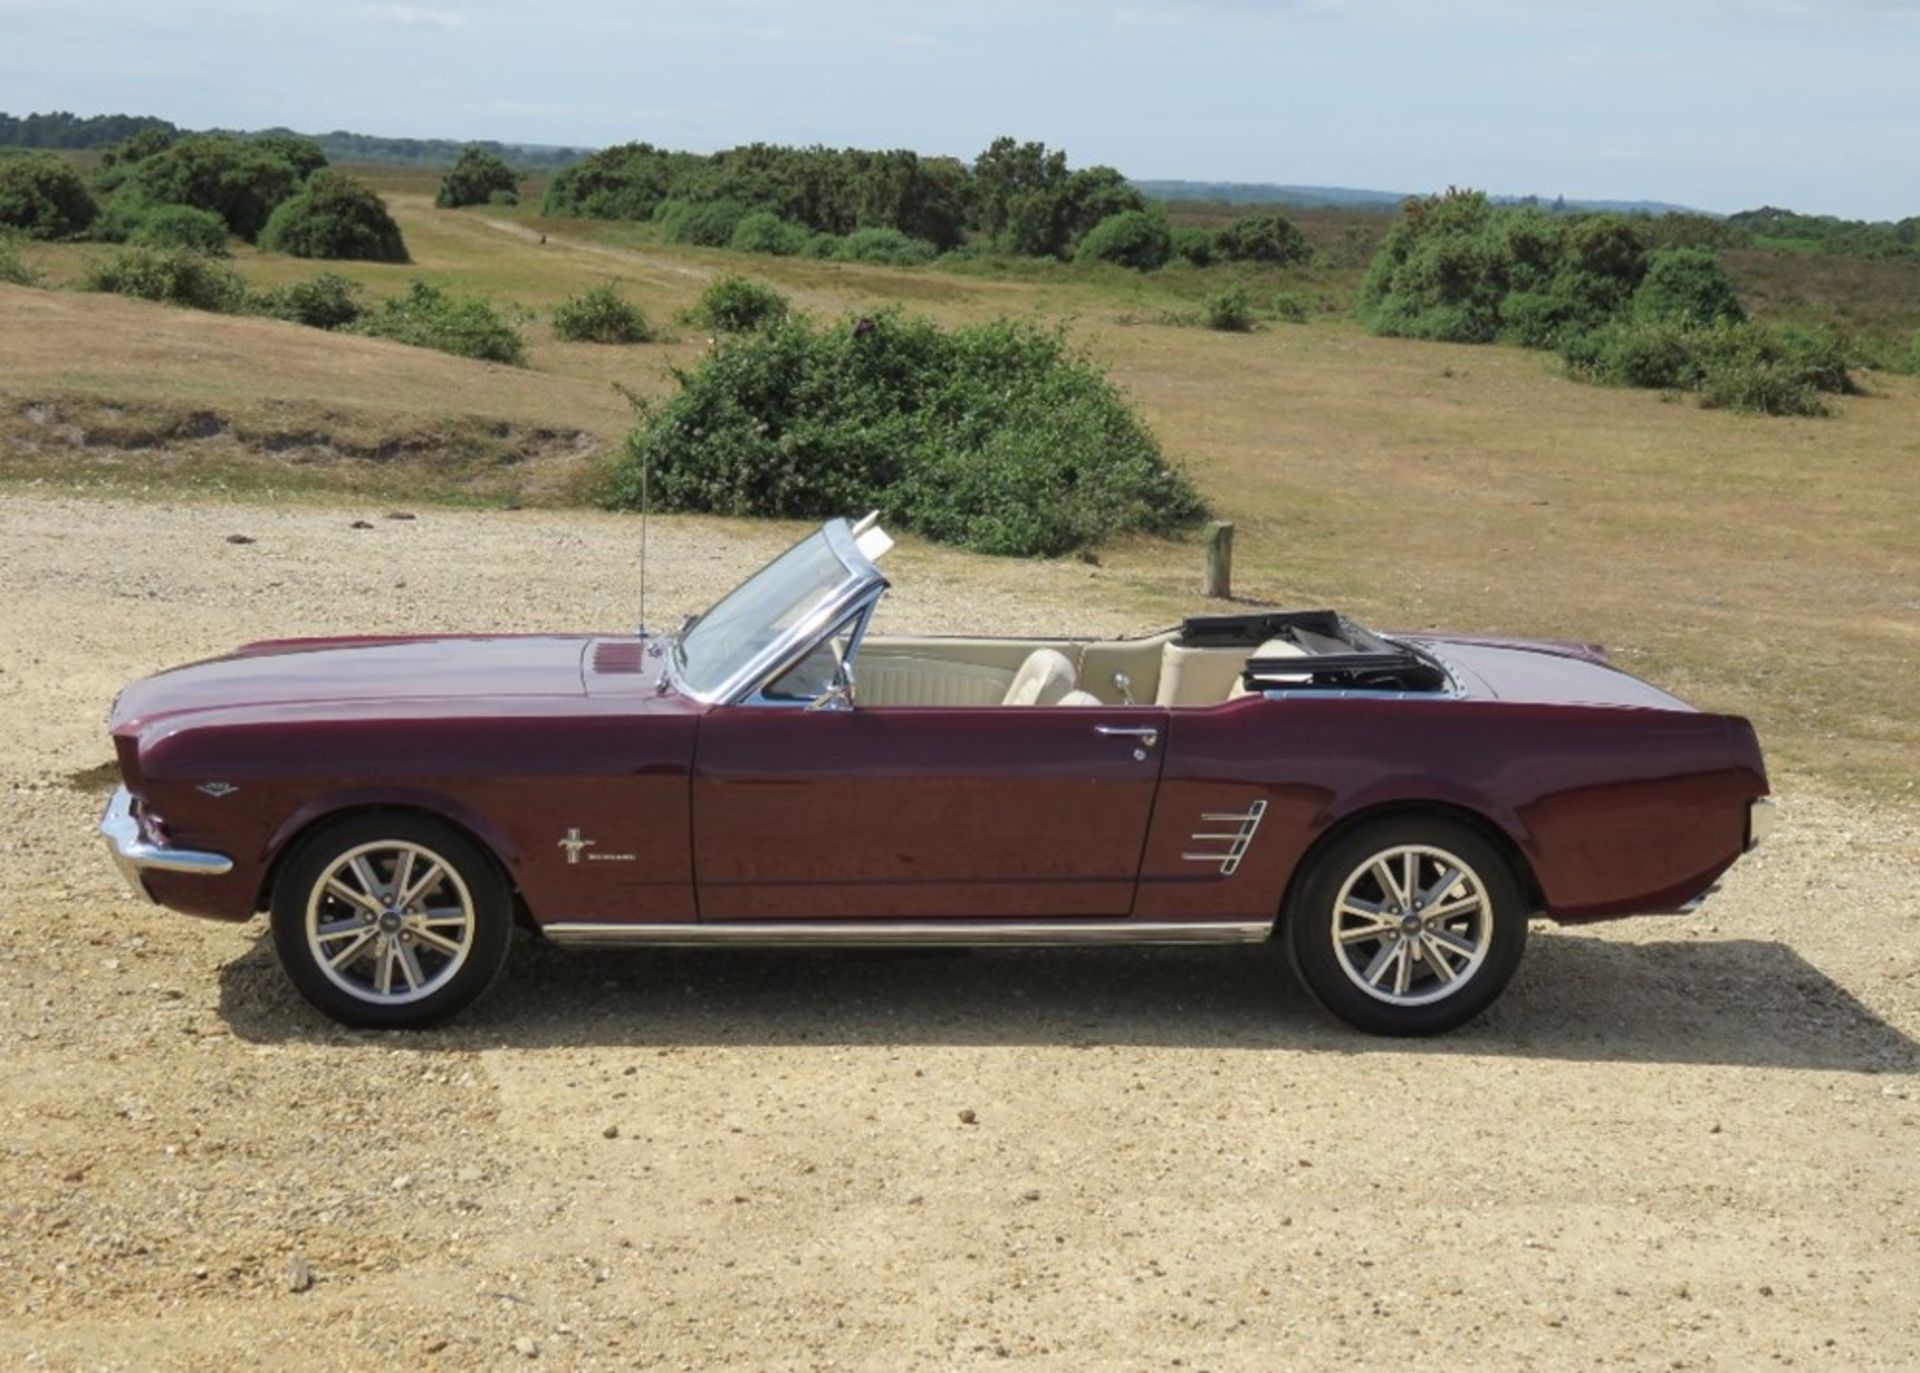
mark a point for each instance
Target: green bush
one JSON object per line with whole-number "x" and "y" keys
{"x": 180, "y": 226}
{"x": 503, "y": 198}
{"x": 175, "y": 276}
{"x": 241, "y": 180}
{"x": 1132, "y": 238}
{"x": 428, "y": 317}
{"x": 884, "y": 245}
{"x": 765, "y": 232}
{"x": 13, "y": 271}
{"x": 42, "y": 197}
{"x": 735, "y": 305}
{"x": 475, "y": 177}
{"x": 601, "y": 315}
{"x": 1269, "y": 238}
{"x": 334, "y": 216}
{"x": 995, "y": 437}
{"x": 1688, "y": 285}
{"x": 1292, "y": 306}
{"x": 1731, "y": 366}
{"x": 822, "y": 246}
{"x": 1194, "y": 246}
{"x": 1659, "y": 354}
{"x": 710, "y": 224}
{"x": 1230, "y": 310}
{"x": 325, "y": 301}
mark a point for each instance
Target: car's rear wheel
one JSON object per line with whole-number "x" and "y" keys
{"x": 391, "y": 920}
{"x": 1407, "y": 926}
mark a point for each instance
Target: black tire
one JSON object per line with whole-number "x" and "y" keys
{"x": 1334, "y": 969}
{"x": 449, "y": 982}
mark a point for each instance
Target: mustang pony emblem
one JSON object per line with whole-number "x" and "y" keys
{"x": 217, "y": 790}
{"x": 573, "y": 843}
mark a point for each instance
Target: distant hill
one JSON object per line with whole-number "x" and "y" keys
{"x": 61, "y": 130}
{"x": 1353, "y": 198}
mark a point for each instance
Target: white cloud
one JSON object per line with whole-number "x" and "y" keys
{"x": 419, "y": 16}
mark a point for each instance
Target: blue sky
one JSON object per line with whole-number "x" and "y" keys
{"x": 1723, "y": 104}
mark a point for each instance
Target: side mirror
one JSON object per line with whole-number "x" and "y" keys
{"x": 840, "y": 693}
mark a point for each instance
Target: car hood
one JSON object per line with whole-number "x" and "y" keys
{"x": 327, "y": 672}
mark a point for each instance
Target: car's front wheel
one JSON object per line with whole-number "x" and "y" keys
{"x": 1407, "y": 926}
{"x": 391, "y": 920}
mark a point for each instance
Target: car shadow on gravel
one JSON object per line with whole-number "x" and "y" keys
{"x": 1738, "y": 1002}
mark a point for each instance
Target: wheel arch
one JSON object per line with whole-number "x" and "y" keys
{"x": 1503, "y": 842}
{"x": 309, "y": 819}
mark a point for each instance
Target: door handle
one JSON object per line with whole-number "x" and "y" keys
{"x": 1148, "y": 735}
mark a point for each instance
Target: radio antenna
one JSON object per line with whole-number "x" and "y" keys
{"x": 646, "y": 498}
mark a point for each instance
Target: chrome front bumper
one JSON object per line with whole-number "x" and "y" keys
{"x": 134, "y": 853}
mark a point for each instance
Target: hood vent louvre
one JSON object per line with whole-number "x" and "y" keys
{"x": 616, "y": 659}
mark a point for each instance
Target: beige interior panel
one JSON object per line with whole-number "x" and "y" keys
{"x": 1197, "y": 676}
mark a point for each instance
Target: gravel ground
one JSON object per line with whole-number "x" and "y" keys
{"x": 1682, "y": 1142}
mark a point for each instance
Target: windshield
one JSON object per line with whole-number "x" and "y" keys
{"x": 760, "y": 613}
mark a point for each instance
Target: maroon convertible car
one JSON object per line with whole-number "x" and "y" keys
{"x": 1393, "y": 808}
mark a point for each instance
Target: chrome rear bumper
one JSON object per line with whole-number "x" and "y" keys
{"x": 133, "y": 852}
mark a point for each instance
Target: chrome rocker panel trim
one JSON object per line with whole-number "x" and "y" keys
{"x": 920, "y": 933}
{"x": 132, "y": 852}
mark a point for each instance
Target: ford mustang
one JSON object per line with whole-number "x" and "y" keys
{"x": 1393, "y": 808}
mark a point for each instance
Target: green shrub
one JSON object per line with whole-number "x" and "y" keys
{"x": 1291, "y": 306}
{"x": 1732, "y": 366}
{"x": 1229, "y": 310}
{"x": 735, "y": 305}
{"x": 325, "y": 301}
{"x": 995, "y": 437}
{"x": 1270, "y": 238}
{"x": 1195, "y": 246}
{"x": 334, "y": 216}
{"x": 884, "y": 245}
{"x": 710, "y": 224}
{"x": 1819, "y": 356}
{"x": 822, "y": 246}
{"x": 302, "y": 154}
{"x": 428, "y": 317}
{"x": 475, "y": 177}
{"x": 175, "y": 276}
{"x": 1688, "y": 285}
{"x": 765, "y": 232}
{"x": 13, "y": 271}
{"x": 180, "y": 226}
{"x": 1659, "y": 354}
{"x": 601, "y": 315}
{"x": 1132, "y": 238}
{"x": 503, "y": 198}
{"x": 241, "y": 180}
{"x": 42, "y": 197}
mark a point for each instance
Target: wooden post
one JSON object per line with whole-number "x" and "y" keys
{"x": 1219, "y": 584}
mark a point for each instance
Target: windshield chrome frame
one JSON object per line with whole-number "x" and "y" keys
{"x": 861, "y": 587}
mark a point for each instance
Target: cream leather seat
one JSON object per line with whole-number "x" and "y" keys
{"x": 1045, "y": 677}
{"x": 1272, "y": 648}
{"x": 1079, "y": 698}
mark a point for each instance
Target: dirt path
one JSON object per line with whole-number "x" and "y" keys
{"x": 1676, "y": 1143}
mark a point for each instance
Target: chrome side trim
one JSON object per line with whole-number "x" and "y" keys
{"x": 1763, "y": 817}
{"x": 1238, "y": 840}
{"x": 132, "y": 851}
{"x": 921, "y": 933}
